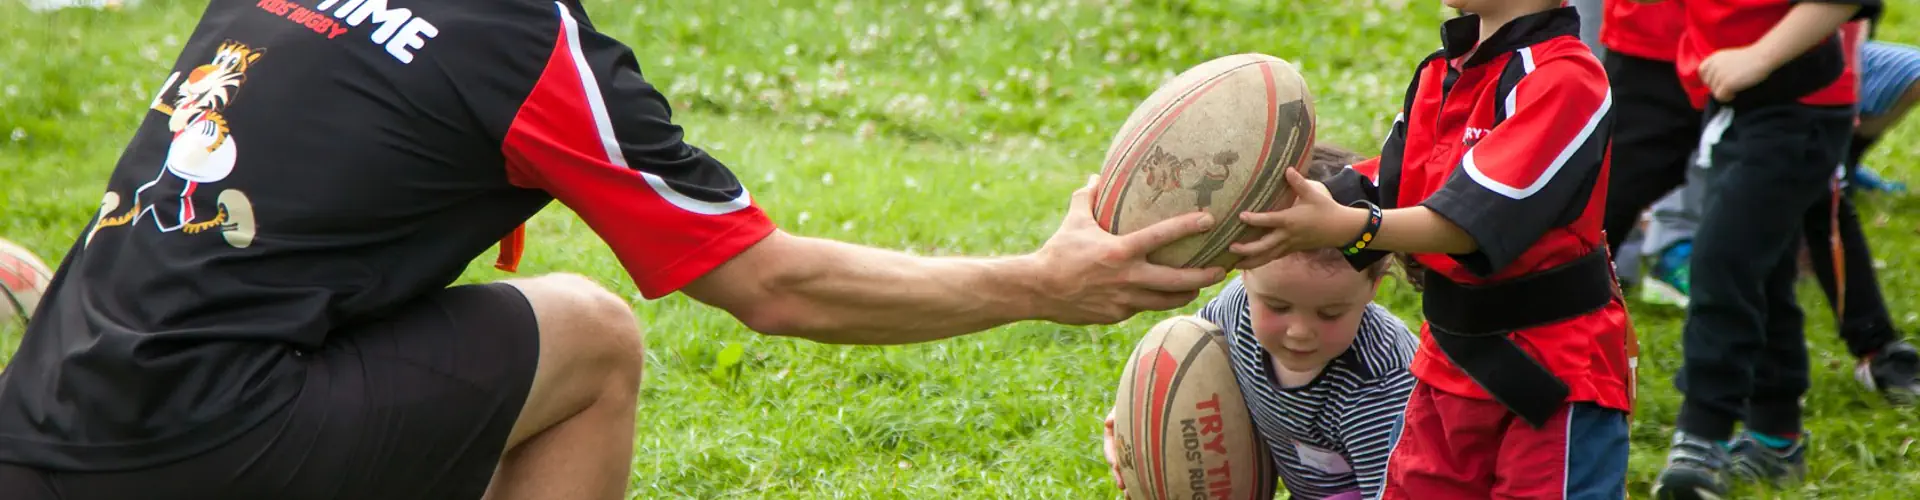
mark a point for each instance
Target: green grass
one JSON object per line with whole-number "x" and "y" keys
{"x": 942, "y": 128}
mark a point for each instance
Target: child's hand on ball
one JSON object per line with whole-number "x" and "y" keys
{"x": 1314, "y": 221}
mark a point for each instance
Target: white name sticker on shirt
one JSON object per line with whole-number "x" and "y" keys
{"x": 1321, "y": 460}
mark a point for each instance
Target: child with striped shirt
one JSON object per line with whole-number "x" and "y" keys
{"x": 1322, "y": 367}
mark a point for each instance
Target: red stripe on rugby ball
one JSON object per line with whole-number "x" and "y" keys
{"x": 1161, "y": 386}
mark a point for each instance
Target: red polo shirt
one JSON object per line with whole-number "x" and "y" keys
{"x": 1715, "y": 25}
{"x": 1647, "y": 31}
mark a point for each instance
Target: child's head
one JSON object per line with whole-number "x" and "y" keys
{"x": 1306, "y": 307}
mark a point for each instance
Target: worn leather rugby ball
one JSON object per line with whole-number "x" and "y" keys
{"x": 1180, "y": 423}
{"x": 1217, "y": 138}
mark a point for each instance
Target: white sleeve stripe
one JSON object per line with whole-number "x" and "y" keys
{"x": 1559, "y": 161}
{"x": 603, "y": 123}
{"x": 1526, "y": 66}
{"x": 1566, "y": 457}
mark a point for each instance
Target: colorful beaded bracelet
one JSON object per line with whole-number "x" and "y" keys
{"x": 1366, "y": 235}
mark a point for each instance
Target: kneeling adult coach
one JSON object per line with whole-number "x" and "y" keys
{"x": 261, "y": 307}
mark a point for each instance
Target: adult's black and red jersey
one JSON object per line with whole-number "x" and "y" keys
{"x": 1508, "y": 138}
{"x": 312, "y": 164}
{"x": 1818, "y": 77}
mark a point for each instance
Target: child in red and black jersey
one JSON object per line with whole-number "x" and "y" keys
{"x": 1659, "y": 127}
{"x": 1494, "y": 180}
{"x": 1773, "y": 78}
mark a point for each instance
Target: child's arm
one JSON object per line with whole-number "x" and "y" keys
{"x": 1416, "y": 229}
{"x": 1533, "y": 172}
{"x": 1730, "y": 71}
{"x": 1359, "y": 181}
{"x": 1318, "y": 220}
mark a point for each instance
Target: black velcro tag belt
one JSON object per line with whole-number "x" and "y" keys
{"x": 1471, "y": 323}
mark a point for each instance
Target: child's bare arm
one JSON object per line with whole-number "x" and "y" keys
{"x": 1730, "y": 71}
{"x": 1805, "y": 26}
{"x": 1421, "y": 230}
{"x": 1519, "y": 181}
{"x": 1316, "y": 220}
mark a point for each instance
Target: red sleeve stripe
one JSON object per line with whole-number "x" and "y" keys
{"x": 604, "y": 124}
{"x": 1559, "y": 161}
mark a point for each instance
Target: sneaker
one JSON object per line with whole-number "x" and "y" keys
{"x": 1865, "y": 179}
{"x": 1666, "y": 280}
{"x": 1893, "y": 371}
{"x": 1696, "y": 470}
{"x": 1755, "y": 461}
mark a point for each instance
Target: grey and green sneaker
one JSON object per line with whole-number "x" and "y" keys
{"x": 1666, "y": 281}
{"x": 1754, "y": 460}
{"x": 1893, "y": 371}
{"x": 1696, "y": 470}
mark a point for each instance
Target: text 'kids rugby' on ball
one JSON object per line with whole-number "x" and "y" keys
{"x": 1216, "y": 138}
{"x": 23, "y": 278}
{"x": 1182, "y": 428}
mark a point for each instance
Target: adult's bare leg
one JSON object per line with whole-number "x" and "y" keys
{"x": 574, "y": 438}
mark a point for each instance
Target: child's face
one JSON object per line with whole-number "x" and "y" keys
{"x": 1305, "y": 313}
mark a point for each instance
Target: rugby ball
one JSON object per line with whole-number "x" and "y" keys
{"x": 1180, "y": 423}
{"x": 23, "y": 279}
{"x": 1217, "y": 138}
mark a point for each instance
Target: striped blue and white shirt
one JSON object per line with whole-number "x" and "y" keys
{"x": 1333, "y": 435}
{"x": 1887, "y": 70}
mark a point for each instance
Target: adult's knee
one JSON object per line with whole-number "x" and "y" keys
{"x": 598, "y": 323}
{"x": 609, "y": 319}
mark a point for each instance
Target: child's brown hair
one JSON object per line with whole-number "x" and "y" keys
{"x": 1328, "y": 160}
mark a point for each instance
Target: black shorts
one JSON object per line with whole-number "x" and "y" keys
{"x": 418, "y": 405}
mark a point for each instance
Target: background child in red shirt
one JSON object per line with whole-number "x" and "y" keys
{"x": 1772, "y": 76}
{"x": 1494, "y": 180}
{"x": 1656, "y": 131}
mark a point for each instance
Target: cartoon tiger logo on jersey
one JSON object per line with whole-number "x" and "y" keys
{"x": 202, "y": 151}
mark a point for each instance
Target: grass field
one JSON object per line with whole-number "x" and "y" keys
{"x": 940, "y": 127}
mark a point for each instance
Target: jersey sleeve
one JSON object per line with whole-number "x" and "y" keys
{"x": 1530, "y": 172}
{"x": 597, "y": 136}
{"x": 1359, "y": 181}
{"x": 1224, "y": 310}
